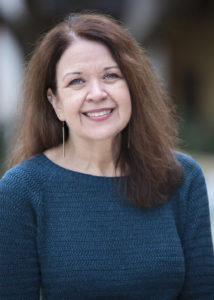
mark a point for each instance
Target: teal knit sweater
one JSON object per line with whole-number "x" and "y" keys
{"x": 71, "y": 236}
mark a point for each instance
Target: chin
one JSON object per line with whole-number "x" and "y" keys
{"x": 104, "y": 136}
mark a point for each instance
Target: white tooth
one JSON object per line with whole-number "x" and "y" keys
{"x": 97, "y": 114}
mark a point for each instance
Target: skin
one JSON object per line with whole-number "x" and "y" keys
{"x": 94, "y": 100}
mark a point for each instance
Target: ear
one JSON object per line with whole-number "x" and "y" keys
{"x": 56, "y": 103}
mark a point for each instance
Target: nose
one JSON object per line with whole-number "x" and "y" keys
{"x": 96, "y": 91}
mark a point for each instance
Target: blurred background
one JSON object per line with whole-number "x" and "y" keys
{"x": 177, "y": 35}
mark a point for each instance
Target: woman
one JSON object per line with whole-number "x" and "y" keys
{"x": 98, "y": 205}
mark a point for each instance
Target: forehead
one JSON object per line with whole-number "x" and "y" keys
{"x": 84, "y": 53}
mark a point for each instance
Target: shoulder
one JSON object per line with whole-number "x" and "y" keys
{"x": 193, "y": 190}
{"x": 190, "y": 166}
{"x": 194, "y": 185}
{"x": 23, "y": 182}
{"x": 191, "y": 197}
{"x": 186, "y": 160}
{"x": 27, "y": 170}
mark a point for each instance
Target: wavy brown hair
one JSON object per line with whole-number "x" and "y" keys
{"x": 154, "y": 172}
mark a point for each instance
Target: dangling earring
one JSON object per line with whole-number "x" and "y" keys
{"x": 63, "y": 138}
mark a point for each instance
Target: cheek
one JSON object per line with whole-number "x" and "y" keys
{"x": 121, "y": 93}
{"x": 125, "y": 107}
{"x": 127, "y": 104}
{"x": 125, "y": 93}
{"x": 125, "y": 99}
{"x": 128, "y": 110}
{"x": 72, "y": 103}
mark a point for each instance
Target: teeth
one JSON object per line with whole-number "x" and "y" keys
{"x": 98, "y": 114}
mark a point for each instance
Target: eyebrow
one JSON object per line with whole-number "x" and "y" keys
{"x": 73, "y": 73}
{"x": 111, "y": 67}
{"x": 79, "y": 73}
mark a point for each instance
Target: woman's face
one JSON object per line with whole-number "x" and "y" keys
{"x": 92, "y": 95}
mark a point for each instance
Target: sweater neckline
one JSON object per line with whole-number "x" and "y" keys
{"x": 61, "y": 169}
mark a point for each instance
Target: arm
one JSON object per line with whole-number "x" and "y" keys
{"x": 197, "y": 241}
{"x": 19, "y": 267}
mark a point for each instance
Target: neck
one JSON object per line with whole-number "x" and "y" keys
{"x": 92, "y": 157}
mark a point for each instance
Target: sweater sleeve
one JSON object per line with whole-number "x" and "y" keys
{"x": 197, "y": 240}
{"x": 19, "y": 267}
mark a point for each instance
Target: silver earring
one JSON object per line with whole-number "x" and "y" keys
{"x": 63, "y": 138}
{"x": 49, "y": 97}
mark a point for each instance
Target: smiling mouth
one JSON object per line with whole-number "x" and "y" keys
{"x": 98, "y": 114}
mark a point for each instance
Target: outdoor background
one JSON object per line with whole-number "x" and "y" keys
{"x": 177, "y": 35}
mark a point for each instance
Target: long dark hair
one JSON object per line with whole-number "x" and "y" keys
{"x": 154, "y": 172}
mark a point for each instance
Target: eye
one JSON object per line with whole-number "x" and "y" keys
{"x": 76, "y": 81}
{"x": 111, "y": 76}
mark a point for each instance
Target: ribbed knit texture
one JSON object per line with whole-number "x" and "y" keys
{"x": 71, "y": 235}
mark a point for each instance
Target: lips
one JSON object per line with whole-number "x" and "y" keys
{"x": 98, "y": 112}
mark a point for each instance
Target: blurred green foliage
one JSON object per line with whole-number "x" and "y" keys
{"x": 195, "y": 134}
